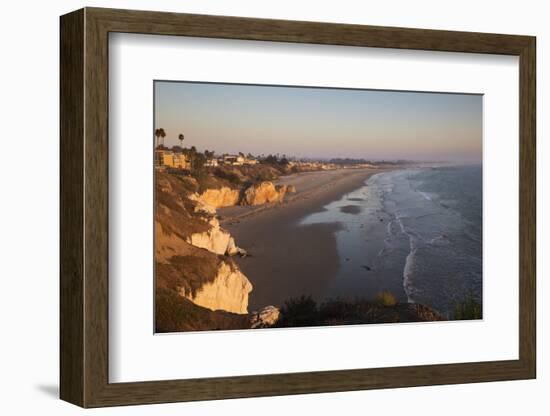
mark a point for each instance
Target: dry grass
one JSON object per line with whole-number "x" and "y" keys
{"x": 174, "y": 211}
{"x": 174, "y": 314}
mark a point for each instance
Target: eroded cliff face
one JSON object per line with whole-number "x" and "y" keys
{"x": 217, "y": 198}
{"x": 198, "y": 284}
{"x": 263, "y": 193}
{"x": 228, "y": 291}
{"x": 257, "y": 194}
{"x": 215, "y": 239}
{"x": 191, "y": 251}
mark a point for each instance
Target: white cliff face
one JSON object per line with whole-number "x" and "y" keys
{"x": 216, "y": 239}
{"x": 229, "y": 291}
{"x": 201, "y": 206}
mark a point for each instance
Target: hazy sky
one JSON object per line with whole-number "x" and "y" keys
{"x": 321, "y": 122}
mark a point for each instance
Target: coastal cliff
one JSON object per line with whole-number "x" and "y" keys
{"x": 218, "y": 198}
{"x": 192, "y": 251}
{"x": 263, "y": 193}
{"x": 215, "y": 239}
{"x": 255, "y": 194}
{"x": 228, "y": 291}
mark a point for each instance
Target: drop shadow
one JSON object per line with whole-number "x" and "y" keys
{"x": 51, "y": 390}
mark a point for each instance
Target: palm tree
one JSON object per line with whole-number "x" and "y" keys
{"x": 160, "y": 133}
{"x": 157, "y": 135}
{"x": 180, "y": 138}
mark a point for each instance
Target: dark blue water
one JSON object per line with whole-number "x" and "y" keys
{"x": 414, "y": 232}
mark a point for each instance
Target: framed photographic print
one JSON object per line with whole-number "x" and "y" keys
{"x": 255, "y": 207}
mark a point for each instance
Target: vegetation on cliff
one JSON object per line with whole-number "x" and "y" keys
{"x": 231, "y": 176}
{"x": 304, "y": 311}
{"x": 469, "y": 308}
{"x": 175, "y": 314}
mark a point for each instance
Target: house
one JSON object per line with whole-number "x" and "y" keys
{"x": 235, "y": 160}
{"x": 164, "y": 158}
{"x": 170, "y": 159}
{"x": 181, "y": 161}
{"x": 212, "y": 162}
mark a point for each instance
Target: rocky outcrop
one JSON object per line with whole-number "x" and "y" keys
{"x": 258, "y": 194}
{"x": 217, "y": 198}
{"x": 262, "y": 193}
{"x": 200, "y": 206}
{"x": 216, "y": 240}
{"x": 265, "y": 317}
{"x": 228, "y": 291}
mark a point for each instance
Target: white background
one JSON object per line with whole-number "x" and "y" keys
{"x": 134, "y": 64}
{"x": 29, "y": 217}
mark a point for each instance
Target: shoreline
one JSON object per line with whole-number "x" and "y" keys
{"x": 286, "y": 259}
{"x": 313, "y": 191}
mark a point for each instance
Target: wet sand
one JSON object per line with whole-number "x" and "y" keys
{"x": 287, "y": 260}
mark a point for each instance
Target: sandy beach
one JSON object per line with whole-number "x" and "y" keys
{"x": 287, "y": 260}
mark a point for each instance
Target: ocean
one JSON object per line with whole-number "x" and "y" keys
{"x": 414, "y": 232}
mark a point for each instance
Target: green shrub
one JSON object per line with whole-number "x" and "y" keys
{"x": 264, "y": 175}
{"x": 304, "y": 311}
{"x": 300, "y": 311}
{"x": 468, "y": 309}
{"x": 228, "y": 175}
{"x": 385, "y": 298}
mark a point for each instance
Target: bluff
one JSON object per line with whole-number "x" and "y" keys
{"x": 198, "y": 285}
{"x": 263, "y": 193}
{"x": 192, "y": 251}
{"x": 221, "y": 197}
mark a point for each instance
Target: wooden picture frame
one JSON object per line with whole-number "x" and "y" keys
{"x": 84, "y": 207}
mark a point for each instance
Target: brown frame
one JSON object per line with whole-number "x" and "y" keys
{"x": 84, "y": 207}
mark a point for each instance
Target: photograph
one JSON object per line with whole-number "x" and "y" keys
{"x": 282, "y": 206}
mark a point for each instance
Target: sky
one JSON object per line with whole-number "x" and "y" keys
{"x": 321, "y": 122}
